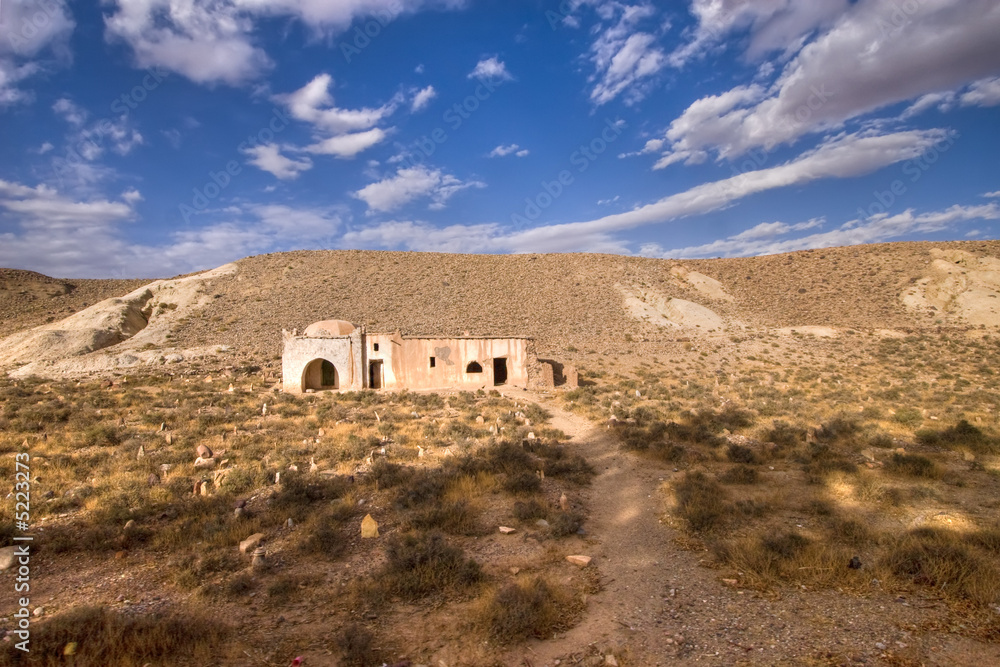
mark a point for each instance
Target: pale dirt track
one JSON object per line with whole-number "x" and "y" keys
{"x": 660, "y": 605}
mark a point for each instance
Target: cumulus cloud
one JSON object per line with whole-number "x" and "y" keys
{"x": 510, "y": 149}
{"x": 624, "y": 56}
{"x": 491, "y": 69}
{"x": 62, "y": 235}
{"x": 339, "y": 132}
{"x": 422, "y": 98}
{"x": 983, "y": 93}
{"x": 412, "y": 183}
{"x": 32, "y": 35}
{"x": 268, "y": 157}
{"x": 760, "y": 240}
{"x": 70, "y": 112}
{"x": 873, "y": 55}
{"x": 213, "y": 41}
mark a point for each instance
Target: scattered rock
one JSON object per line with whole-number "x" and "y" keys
{"x": 141, "y": 453}
{"x": 289, "y": 523}
{"x": 38, "y": 611}
{"x": 730, "y": 582}
{"x": 204, "y": 463}
{"x": 369, "y": 527}
{"x": 579, "y": 561}
{"x": 204, "y": 452}
{"x": 855, "y": 563}
{"x": 259, "y": 556}
{"x": 251, "y": 542}
{"x": 7, "y": 557}
{"x": 609, "y": 659}
{"x": 152, "y": 479}
{"x": 239, "y": 512}
{"x": 542, "y": 523}
{"x": 507, "y": 530}
{"x": 564, "y": 502}
{"x": 130, "y": 525}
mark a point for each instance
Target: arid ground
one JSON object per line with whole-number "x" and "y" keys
{"x": 791, "y": 459}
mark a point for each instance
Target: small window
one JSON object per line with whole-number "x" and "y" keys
{"x": 473, "y": 367}
{"x": 432, "y": 362}
{"x": 375, "y": 347}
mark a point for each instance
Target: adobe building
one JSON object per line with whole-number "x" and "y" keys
{"x": 336, "y": 355}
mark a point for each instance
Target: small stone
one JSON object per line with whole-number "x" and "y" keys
{"x": 289, "y": 523}
{"x": 239, "y": 512}
{"x": 169, "y": 438}
{"x": 165, "y": 467}
{"x": 70, "y": 648}
{"x": 578, "y": 560}
{"x": 204, "y": 463}
{"x": 163, "y": 426}
{"x": 880, "y": 646}
{"x": 7, "y": 557}
{"x": 730, "y": 582}
{"x": 855, "y": 563}
{"x": 204, "y": 452}
{"x": 259, "y": 556}
{"x": 141, "y": 453}
{"x": 609, "y": 659}
{"x": 130, "y": 524}
{"x": 38, "y": 611}
{"x": 251, "y": 542}
{"x": 152, "y": 479}
{"x": 531, "y": 435}
{"x": 507, "y": 530}
{"x": 515, "y": 570}
{"x": 369, "y": 527}
{"x": 564, "y": 502}
{"x": 480, "y": 420}
{"x": 542, "y": 523}
{"x": 231, "y": 388}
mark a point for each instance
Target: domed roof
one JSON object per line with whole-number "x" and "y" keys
{"x": 329, "y": 329}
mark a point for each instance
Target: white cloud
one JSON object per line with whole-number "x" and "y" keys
{"x": 45, "y": 148}
{"x": 348, "y": 145}
{"x": 624, "y": 56}
{"x": 874, "y": 55}
{"x": 413, "y": 183}
{"x": 760, "y": 240}
{"x": 29, "y": 31}
{"x": 983, "y": 93}
{"x": 773, "y": 25}
{"x": 511, "y": 149}
{"x": 314, "y": 104}
{"x": 64, "y": 236}
{"x": 352, "y": 130}
{"x": 491, "y": 69}
{"x": 70, "y": 112}
{"x": 423, "y": 237}
{"x": 422, "y": 98}
{"x": 268, "y": 157}
{"x": 943, "y": 101}
{"x": 992, "y": 195}
{"x": 213, "y": 41}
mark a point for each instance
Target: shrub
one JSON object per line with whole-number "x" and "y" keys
{"x": 455, "y": 518}
{"x": 107, "y": 638}
{"x": 909, "y": 417}
{"x": 564, "y": 524}
{"x": 785, "y": 435}
{"x": 962, "y": 434}
{"x": 356, "y": 646}
{"x": 522, "y": 482}
{"x": 524, "y": 609}
{"x": 740, "y": 474}
{"x": 298, "y": 489}
{"x": 785, "y": 545}
{"x": 700, "y": 502}
{"x": 529, "y": 510}
{"x": 938, "y": 558}
{"x": 102, "y": 435}
{"x": 419, "y": 565}
{"x": 913, "y": 465}
{"x": 741, "y": 454}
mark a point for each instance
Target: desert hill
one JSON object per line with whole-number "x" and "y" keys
{"x": 604, "y": 303}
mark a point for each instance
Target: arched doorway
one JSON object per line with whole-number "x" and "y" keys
{"x": 320, "y": 374}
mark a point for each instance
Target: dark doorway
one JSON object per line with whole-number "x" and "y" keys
{"x": 375, "y": 374}
{"x": 320, "y": 374}
{"x": 500, "y": 370}
{"x": 473, "y": 367}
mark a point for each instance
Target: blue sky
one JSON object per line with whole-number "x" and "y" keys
{"x": 146, "y": 138}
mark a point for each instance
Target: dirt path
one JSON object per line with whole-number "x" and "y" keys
{"x": 659, "y": 605}
{"x": 629, "y": 547}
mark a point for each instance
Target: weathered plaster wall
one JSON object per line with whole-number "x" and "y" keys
{"x": 345, "y": 353}
{"x": 406, "y": 361}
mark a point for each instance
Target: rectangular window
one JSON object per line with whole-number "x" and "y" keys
{"x": 432, "y": 362}
{"x": 375, "y": 346}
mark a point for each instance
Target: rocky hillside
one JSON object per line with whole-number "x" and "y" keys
{"x": 599, "y": 302}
